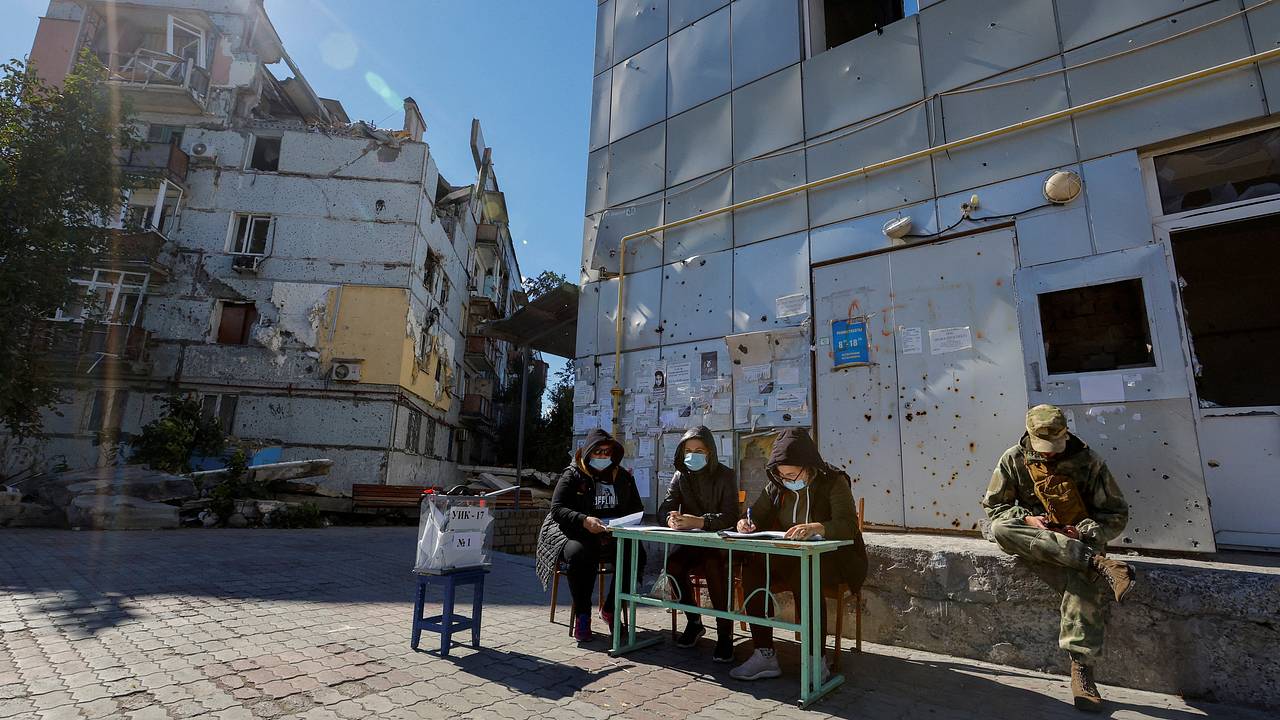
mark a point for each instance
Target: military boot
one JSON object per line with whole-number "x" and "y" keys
{"x": 1083, "y": 688}
{"x": 1117, "y": 574}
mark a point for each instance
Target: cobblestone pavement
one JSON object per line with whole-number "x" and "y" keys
{"x": 314, "y": 624}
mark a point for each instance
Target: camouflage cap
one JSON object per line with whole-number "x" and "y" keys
{"x": 1047, "y": 427}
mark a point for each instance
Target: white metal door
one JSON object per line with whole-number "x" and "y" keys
{"x": 915, "y": 427}
{"x": 858, "y": 406}
{"x": 1239, "y": 444}
{"x": 963, "y": 394}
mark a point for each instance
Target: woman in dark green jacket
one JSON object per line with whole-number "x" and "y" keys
{"x": 807, "y": 498}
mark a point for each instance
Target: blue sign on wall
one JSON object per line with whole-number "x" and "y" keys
{"x": 849, "y": 343}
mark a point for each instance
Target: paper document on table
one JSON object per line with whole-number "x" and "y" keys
{"x": 758, "y": 535}
{"x": 626, "y": 520}
{"x": 663, "y": 528}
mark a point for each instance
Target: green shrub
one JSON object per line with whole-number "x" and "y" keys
{"x": 168, "y": 442}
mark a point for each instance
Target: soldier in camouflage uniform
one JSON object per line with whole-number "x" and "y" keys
{"x": 1053, "y": 502}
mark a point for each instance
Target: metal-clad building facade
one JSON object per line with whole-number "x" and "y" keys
{"x": 1110, "y": 305}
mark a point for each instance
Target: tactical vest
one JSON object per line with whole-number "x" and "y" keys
{"x": 1062, "y": 502}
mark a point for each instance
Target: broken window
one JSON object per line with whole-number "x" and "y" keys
{"x": 186, "y": 41}
{"x": 165, "y": 134}
{"x": 249, "y": 234}
{"x": 413, "y": 431}
{"x": 430, "y": 269}
{"x": 1096, "y": 328}
{"x": 266, "y": 154}
{"x": 1227, "y": 274}
{"x": 109, "y": 297}
{"x": 1242, "y": 168}
{"x": 444, "y": 291}
{"x": 235, "y": 322}
{"x": 429, "y": 437}
{"x": 222, "y": 408}
{"x": 836, "y": 22}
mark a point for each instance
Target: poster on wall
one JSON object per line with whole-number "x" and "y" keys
{"x": 849, "y": 343}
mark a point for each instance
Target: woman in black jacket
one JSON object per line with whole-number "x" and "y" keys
{"x": 703, "y": 496}
{"x": 593, "y": 489}
{"x": 806, "y": 498}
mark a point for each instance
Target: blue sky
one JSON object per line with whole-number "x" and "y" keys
{"x": 522, "y": 67}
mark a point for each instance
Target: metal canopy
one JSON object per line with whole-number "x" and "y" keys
{"x": 548, "y": 324}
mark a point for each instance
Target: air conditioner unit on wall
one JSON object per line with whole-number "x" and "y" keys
{"x": 345, "y": 371}
{"x": 246, "y": 263}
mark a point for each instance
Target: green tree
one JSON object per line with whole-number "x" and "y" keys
{"x": 168, "y": 442}
{"x": 546, "y": 281}
{"x": 58, "y": 180}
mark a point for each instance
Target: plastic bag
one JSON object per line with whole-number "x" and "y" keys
{"x": 454, "y": 532}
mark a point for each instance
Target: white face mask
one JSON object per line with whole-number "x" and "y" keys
{"x": 695, "y": 461}
{"x": 794, "y": 485}
{"x": 600, "y": 463}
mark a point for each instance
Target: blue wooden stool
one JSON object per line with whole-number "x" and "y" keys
{"x": 447, "y": 622}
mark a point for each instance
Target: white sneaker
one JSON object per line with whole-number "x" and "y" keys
{"x": 763, "y": 663}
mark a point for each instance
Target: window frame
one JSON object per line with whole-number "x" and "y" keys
{"x": 118, "y": 289}
{"x": 234, "y": 239}
{"x": 1076, "y": 374}
{"x": 218, "y": 409}
{"x": 253, "y": 147}
{"x": 110, "y": 409}
{"x": 202, "y": 49}
{"x": 246, "y": 332}
{"x": 813, "y": 20}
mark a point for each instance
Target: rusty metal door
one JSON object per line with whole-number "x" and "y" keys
{"x": 920, "y": 427}
{"x": 857, "y": 421}
{"x": 961, "y": 389}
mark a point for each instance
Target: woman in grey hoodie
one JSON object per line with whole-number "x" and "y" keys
{"x": 703, "y": 496}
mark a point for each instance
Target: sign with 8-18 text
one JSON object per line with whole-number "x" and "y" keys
{"x": 849, "y": 343}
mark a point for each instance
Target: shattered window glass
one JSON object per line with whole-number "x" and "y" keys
{"x": 1243, "y": 168}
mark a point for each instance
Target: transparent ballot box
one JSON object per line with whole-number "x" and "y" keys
{"x": 454, "y": 532}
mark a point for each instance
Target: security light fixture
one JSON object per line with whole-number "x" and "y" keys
{"x": 1062, "y": 187}
{"x": 897, "y": 228}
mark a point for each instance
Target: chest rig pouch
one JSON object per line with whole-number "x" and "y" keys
{"x": 1062, "y": 502}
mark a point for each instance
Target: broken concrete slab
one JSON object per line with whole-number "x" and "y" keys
{"x": 137, "y": 481}
{"x": 30, "y": 515}
{"x": 120, "y": 512}
{"x": 270, "y": 472}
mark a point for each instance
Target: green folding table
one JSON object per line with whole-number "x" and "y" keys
{"x": 809, "y": 600}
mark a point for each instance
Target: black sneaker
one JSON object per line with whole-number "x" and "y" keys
{"x": 691, "y": 633}
{"x": 724, "y": 650}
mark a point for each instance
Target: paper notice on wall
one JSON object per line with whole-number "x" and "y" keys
{"x": 720, "y": 406}
{"x": 792, "y": 305}
{"x": 584, "y": 422}
{"x": 756, "y": 402}
{"x": 756, "y": 373}
{"x": 645, "y": 449}
{"x": 584, "y": 393}
{"x": 669, "y": 419}
{"x": 710, "y": 365}
{"x": 1132, "y": 379}
{"x": 945, "y": 340}
{"x": 639, "y": 404}
{"x": 679, "y": 373}
{"x": 910, "y": 341}
{"x": 605, "y": 416}
{"x": 741, "y": 414}
{"x": 793, "y": 399}
{"x": 1098, "y": 389}
{"x": 643, "y": 480}
{"x": 788, "y": 375}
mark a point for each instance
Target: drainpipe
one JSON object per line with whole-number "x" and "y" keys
{"x": 616, "y": 391}
{"x": 524, "y": 402}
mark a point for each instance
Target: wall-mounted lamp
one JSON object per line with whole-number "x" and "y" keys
{"x": 1062, "y": 187}
{"x": 897, "y": 228}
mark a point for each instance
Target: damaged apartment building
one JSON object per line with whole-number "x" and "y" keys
{"x": 313, "y": 281}
{"x": 972, "y": 206}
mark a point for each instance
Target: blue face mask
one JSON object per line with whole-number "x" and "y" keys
{"x": 600, "y": 463}
{"x": 794, "y": 485}
{"x": 695, "y": 461}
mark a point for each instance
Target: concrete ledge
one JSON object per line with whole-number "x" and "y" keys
{"x": 1205, "y": 628}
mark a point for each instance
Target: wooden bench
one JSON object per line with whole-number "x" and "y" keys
{"x": 385, "y": 496}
